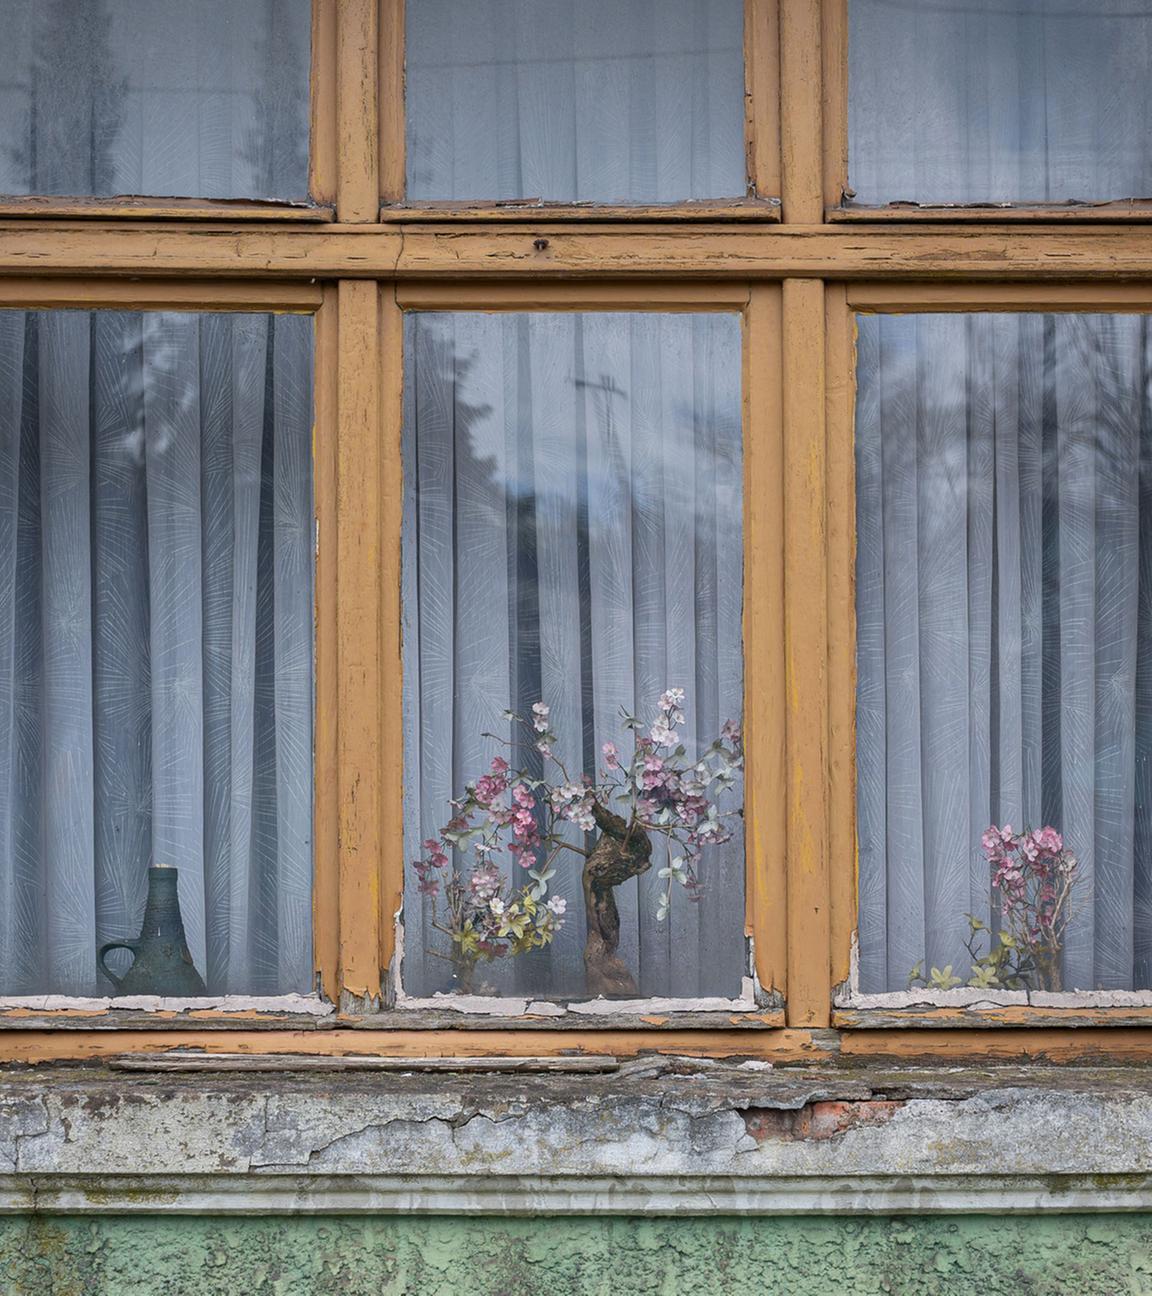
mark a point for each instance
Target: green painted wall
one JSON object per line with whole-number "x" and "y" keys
{"x": 982, "y": 1255}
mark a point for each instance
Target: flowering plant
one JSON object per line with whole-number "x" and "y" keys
{"x": 1033, "y": 875}
{"x": 655, "y": 789}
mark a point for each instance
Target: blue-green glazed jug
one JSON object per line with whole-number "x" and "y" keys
{"x": 163, "y": 963}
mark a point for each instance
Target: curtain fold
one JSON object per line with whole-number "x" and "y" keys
{"x": 629, "y": 101}
{"x": 572, "y": 534}
{"x": 969, "y": 101}
{"x": 1004, "y": 566}
{"x": 155, "y": 641}
{"x": 106, "y": 97}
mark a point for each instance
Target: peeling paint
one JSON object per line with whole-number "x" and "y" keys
{"x": 312, "y": 1005}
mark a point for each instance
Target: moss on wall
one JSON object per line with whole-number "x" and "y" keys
{"x": 954, "y": 1256}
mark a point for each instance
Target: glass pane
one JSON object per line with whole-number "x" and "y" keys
{"x": 999, "y": 100}
{"x": 572, "y": 542}
{"x": 1004, "y": 602}
{"x": 155, "y": 646}
{"x": 206, "y": 99}
{"x": 608, "y": 101}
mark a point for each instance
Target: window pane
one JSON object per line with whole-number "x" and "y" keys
{"x": 999, "y": 100}
{"x": 572, "y": 538}
{"x": 610, "y": 101}
{"x": 205, "y": 100}
{"x": 155, "y": 642}
{"x": 1004, "y": 601}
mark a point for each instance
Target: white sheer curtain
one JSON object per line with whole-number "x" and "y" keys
{"x": 205, "y": 99}
{"x": 999, "y": 100}
{"x": 155, "y": 641}
{"x": 628, "y": 101}
{"x": 1004, "y": 602}
{"x": 573, "y": 534}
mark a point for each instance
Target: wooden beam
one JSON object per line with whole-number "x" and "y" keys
{"x": 391, "y": 361}
{"x": 834, "y": 61}
{"x": 326, "y": 789}
{"x": 393, "y": 145}
{"x": 840, "y": 398}
{"x": 762, "y": 96}
{"x": 806, "y": 652}
{"x": 21, "y": 292}
{"x": 357, "y": 140}
{"x": 322, "y": 147}
{"x": 801, "y": 114}
{"x": 360, "y": 691}
{"x": 936, "y": 297}
{"x": 765, "y": 795}
{"x": 549, "y": 252}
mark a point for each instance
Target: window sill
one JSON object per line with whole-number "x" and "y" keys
{"x": 735, "y": 209}
{"x": 133, "y": 207}
{"x": 1128, "y": 210}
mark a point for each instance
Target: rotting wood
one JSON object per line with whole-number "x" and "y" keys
{"x": 980, "y": 1017}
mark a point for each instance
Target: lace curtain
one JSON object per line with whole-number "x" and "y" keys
{"x": 572, "y": 534}
{"x": 155, "y": 641}
{"x": 1004, "y": 605}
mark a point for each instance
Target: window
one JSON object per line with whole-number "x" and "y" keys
{"x": 106, "y": 97}
{"x": 1003, "y": 577}
{"x": 569, "y": 382}
{"x": 573, "y": 555}
{"x": 604, "y": 101}
{"x": 155, "y": 643}
{"x": 999, "y": 101}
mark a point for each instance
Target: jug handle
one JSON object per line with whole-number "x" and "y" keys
{"x": 111, "y": 945}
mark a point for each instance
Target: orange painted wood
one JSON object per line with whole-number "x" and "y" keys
{"x": 765, "y": 823}
{"x": 762, "y": 96}
{"x": 322, "y": 149}
{"x": 801, "y": 112}
{"x": 357, "y": 141}
{"x": 806, "y": 652}
{"x": 360, "y": 690}
{"x": 840, "y": 397}
{"x": 393, "y": 178}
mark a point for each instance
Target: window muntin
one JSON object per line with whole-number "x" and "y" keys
{"x": 1004, "y": 565}
{"x": 572, "y": 535}
{"x": 155, "y": 641}
{"x": 605, "y": 101}
{"x": 207, "y": 100}
{"x": 999, "y": 101}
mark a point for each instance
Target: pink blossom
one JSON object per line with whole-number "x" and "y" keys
{"x": 611, "y": 755}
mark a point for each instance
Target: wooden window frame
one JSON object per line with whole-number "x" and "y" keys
{"x": 317, "y": 207}
{"x": 761, "y": 201}
{"x": 838, "y": 195}
{"x": 797, "y": 274}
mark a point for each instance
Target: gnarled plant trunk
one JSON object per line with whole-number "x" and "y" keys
{"x": 620, "y": 853}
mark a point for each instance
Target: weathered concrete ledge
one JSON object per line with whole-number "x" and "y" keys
{"x": 657, "y": 1136}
